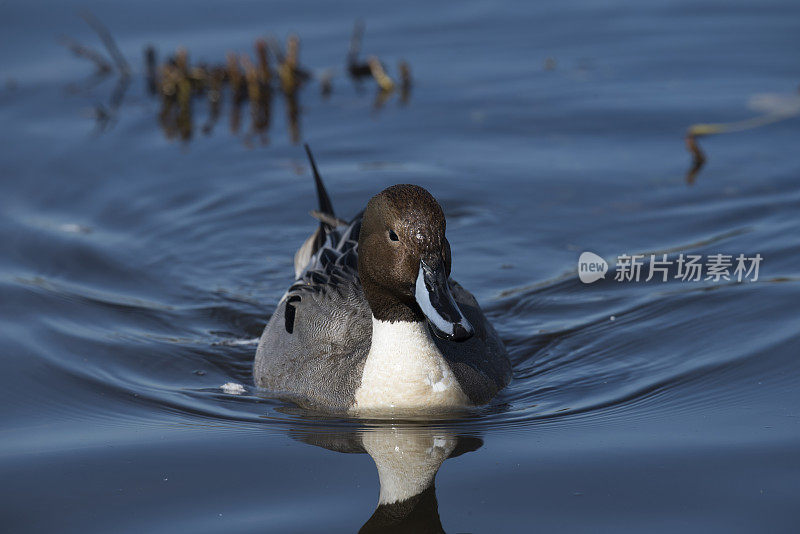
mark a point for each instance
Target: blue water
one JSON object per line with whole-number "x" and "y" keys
{"x": 138, "y": 271}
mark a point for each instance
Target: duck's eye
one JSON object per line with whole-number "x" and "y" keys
{"x": 393, "y": 236}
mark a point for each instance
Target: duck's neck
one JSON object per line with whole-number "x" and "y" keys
{"x": 405, "y": 370}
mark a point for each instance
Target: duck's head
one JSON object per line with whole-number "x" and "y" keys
{"x": 404, "y": 261}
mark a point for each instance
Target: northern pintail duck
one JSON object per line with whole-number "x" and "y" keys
{"x": 353, "y": 333}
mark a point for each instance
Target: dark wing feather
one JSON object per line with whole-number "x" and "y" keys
{"x": 334, "y": 264}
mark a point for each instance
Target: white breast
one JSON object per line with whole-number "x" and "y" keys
{"x": 405, "y": 370}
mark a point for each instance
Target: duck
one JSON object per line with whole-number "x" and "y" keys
{"x": 373, "y": 322}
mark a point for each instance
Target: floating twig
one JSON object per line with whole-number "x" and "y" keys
{"x": 701, "y": 130}
{"x": 697, "y": 131}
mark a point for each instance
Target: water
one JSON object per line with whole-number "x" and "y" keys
{"x": 137, "y": 271}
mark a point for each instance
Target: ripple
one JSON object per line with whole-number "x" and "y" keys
{"x": 578, "y": 365}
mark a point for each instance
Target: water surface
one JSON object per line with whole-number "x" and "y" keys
{"x": 137, "y": 272}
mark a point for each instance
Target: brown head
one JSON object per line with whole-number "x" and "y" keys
{"x": 404, "y": 261}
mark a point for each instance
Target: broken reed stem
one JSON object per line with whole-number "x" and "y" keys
{"x": 357, "y": 70}
{"x": 85, "y": 52}
{"x": 235, "y": 77}
{"x": 384, "y": 81}
{"x": 288, "y": 70}
{"x": 151, "y": 64}
{"x": 355, "y": 42}
{"x": 405, "y": 74}
{"x": 214, "y": 97}
{"x": 182, "y": 61}
{"x": 405, "y": 81}
{"x": 250, "y": 79}
{"x": 253, "y": 83}
{"x": 277, "y": 49}
{"x": 108, "y": 41}
{"x": 264, "y": 71}
{"x": 184, "y": 93}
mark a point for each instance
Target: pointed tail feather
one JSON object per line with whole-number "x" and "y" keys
{"x": 325, "y": 205}
{"x": 327, "y": 222}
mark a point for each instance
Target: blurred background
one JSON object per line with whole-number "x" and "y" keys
{"x": 148, "y": 219}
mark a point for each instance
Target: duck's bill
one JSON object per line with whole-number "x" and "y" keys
{"x": 436, "y": 302}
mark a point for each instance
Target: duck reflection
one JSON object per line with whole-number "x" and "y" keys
{"x": 407, "y": 458}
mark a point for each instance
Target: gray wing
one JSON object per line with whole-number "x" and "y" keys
{"x": 481, "y": 363}
{"x": 321, "y": 361}
{"x": 315, "y": 344}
